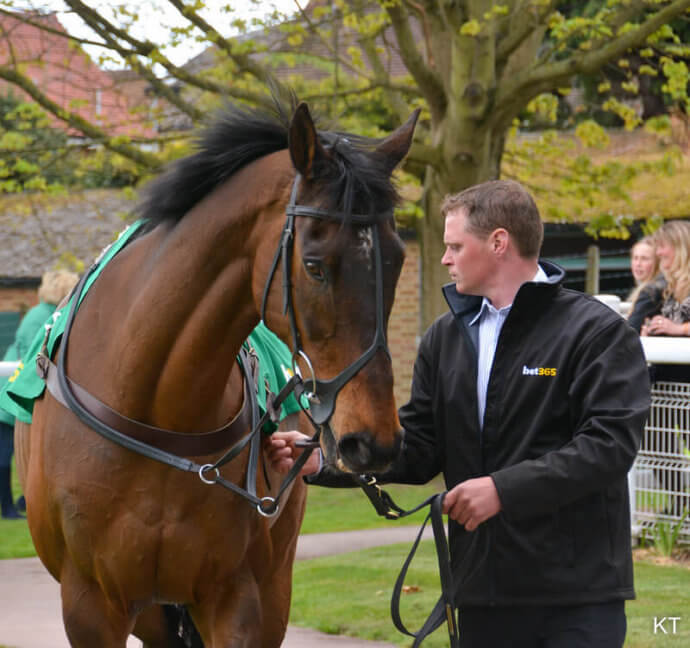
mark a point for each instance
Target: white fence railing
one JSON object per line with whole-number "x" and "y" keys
{"x": 660, "y": 479}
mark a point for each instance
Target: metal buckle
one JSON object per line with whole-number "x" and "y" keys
{"x": 271, "y": 509}
{"x": 203, "y": 469}
{"x": 311, "y": 395}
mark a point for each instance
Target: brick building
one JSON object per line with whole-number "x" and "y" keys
{"x": 67, "y": 76}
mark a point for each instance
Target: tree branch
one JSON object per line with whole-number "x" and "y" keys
{"x": 243, "y": 61}
{"x": 521, "y": 29}
{"x": 351, "y": 92}
{"x": 314, "y": 30}
{"x": 108, "y": 31}
{"x": 424, "y": 154}
{"x": 368, "y": 46}
{"x": 105, "y": 30}
{"x": 89, "y": 130}
{"x": 515, "y": 92}
{"x": 429, "y": 83}
{"x": 26, "y": 19}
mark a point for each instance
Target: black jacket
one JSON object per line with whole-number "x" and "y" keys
{"x": 566, "y": 405}
{"x": 648, "y": 303}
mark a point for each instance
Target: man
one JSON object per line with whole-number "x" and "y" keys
{"x": 531, "y": 399}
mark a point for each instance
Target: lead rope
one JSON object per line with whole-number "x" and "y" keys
{"x": 444, "y": 609}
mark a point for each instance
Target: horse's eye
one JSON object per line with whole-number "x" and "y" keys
{"x": 315, "y": 269}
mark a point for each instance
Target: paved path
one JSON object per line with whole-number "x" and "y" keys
{"x": 30, "y": 599}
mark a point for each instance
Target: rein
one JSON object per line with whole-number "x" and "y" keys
{"x": 445, "y": 608}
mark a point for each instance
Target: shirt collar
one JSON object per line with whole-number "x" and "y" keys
{"x": 540, "y": 277}
{"x": 487, "y": 306}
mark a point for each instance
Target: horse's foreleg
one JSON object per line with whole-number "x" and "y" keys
{"x": 157, "y": 626}
{"x": 231, "y": 618}
{"x": 90, "y": 618}
{"x": 276, "y": 590}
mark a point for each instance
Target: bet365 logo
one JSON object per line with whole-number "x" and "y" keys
{"x": 538, "y": 371}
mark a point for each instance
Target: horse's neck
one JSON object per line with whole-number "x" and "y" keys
{"x": 187, "y": 309}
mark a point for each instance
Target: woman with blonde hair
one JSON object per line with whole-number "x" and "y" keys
{"x": 55, "y": 286}
{"x": 646, "y": 298}
{"x": 672, "y": 244}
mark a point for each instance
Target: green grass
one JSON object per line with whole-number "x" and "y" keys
{"x": 662, "y": 591}
{"x": 328, "y": 510}
{"x": 15, "y": 539}
{"x": 350, "y": 594}
{"x": 346, "y": 509}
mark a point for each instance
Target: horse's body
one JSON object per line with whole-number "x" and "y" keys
{"x": 156, "y": 339}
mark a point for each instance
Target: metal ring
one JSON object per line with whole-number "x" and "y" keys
{"x": 273, "y": 507}
{"x": 203, "y": 469}
{"x": 296, "y": 370}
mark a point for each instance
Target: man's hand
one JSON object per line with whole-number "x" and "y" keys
{"x": 281, "y": 452}
{"x": 472, "y": 502}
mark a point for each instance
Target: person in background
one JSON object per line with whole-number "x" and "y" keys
{"x": 531, "y": 399}
{"x": 8, "y": 510}
{"x": 55, "y": 286}
{"x": 646, "y": 298}
{"x": 672, "y": 244}
{"x": 672, "y": 241}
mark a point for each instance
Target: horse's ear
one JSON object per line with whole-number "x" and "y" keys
{"x": 395, "y": 147}
{"x": 303, "y": 142}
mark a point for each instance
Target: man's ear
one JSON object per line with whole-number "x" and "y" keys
{"x": 499, "y": 240}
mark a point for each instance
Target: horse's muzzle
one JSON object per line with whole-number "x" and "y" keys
{"x": 359, "y": 452}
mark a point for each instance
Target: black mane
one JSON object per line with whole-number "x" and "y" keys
{"x": 356, "y": 180}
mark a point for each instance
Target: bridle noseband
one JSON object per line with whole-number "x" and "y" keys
{"x": 323, "y": 393}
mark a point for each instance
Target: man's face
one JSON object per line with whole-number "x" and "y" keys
{"x": 468, "y": 258}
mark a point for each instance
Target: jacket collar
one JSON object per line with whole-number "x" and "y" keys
{"x": 461, "y": 304}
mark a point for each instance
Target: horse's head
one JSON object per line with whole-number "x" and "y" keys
{"x": 344, "y": 259}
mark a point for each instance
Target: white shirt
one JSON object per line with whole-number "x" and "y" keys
{"x": 491, "y": 322}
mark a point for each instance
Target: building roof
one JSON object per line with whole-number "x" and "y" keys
{"x": 59, "y": 231}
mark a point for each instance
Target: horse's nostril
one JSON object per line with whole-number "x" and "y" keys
{"x": 355, "y": 451}
{"x": 360, "y": 452}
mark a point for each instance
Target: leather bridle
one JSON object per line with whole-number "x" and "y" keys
{"x": 320, "y": 393}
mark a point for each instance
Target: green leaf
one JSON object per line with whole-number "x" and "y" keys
{"x": 470, "y": 28}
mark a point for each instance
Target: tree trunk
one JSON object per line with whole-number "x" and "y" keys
{"x": 468, "y": 161}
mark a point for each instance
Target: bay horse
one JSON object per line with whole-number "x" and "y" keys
{"x": 156, "y": 340}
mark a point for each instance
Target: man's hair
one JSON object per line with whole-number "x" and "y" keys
{"x": 500, "y": 203}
